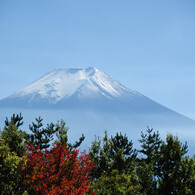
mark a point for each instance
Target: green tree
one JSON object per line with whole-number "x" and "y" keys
{"x": 188, "y": 175}
{"x": 12, "y": 147}
{"x": 150, "y": 144}
{"x": 114, "y": 153}
{"x": 147, "y": 178}
{"x": 94, "y": 153}
{"x": 15, "y": 120}
{"x": 118, "y": 183}
{"x": 113, "y": 158}
{"x": 148, "y": 163}
{"x": 11, "y": 173}
{"x": 176, "y": 171}
{"x": 62, "y": 135}
{"x": 12, "y": 136}
{"x": 122, "y": 153}
{"x": 41, "y": 137}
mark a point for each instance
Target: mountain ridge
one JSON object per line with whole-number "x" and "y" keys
{"x": 61, "y": 84}
{"x": 89, "y": 89}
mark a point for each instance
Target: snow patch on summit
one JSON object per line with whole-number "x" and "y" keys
{"x": 65, "y": 83}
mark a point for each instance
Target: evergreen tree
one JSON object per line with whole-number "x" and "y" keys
{"x": 11, "y": 173}
{"x": 114, "y": 153}
{"x": 94, "y": 153}
{"x": 176, "y": 171}
{"x": 118, "y": 183}
{"x": 122, "y": 153}
{"x": 12, "y": 136}
{"x": 147, "y": 179}
{"x": 15, "y": 120}
{"x": 150, "y": 144}
{"x": 188, "y": 175}
{"x": 62, "y": 135}
{"x": 12, "y": 147}
{"x": 114, "y": 160}
{"x": 41, "y": 137}
{"x": 148, "y": 164}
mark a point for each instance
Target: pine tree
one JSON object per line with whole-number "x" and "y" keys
{"x": 150, "y": 144}
{"x": 12, "y": 136}
{"x": 10, "y": 170}
{"x": 122, "y": 153}
{"x": 15, "y": 120}
{"x": 148, "y": 164}
{"x": 114, "y": 160}
{"x": 176, "y": 170}
{"x": 41, "y": 137}
{"x": 12, "y": 147}
{"x": 62, "y": 135}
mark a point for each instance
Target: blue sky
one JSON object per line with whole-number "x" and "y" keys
{"x": 147, "y": 45}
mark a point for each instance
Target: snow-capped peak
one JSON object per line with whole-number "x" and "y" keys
{"x": 65, "y": 83}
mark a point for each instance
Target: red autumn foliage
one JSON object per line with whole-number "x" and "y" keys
{"x": 58, "y": 171}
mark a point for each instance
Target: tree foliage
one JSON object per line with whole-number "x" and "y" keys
{"x": 112, "y": 166}
{"x": 117, "y": 183}
{"x": 16, "y": 119}
{"x": 113, "y": 160}
{"x": 12, "y": 136}
{"x": 40, "y": 136}
{"x": 150, "y": 146}
{"x": 114, "y": 153}
{"x": 58, "y": 171}
{"x": 12, "y": 147}
{"x": 165, "y": 169}
{"x": 175, "y": 170}
{"x": 21, "y": 166}
{"x": 161, "y": 168}
{"x": 148, "y": 162}
{"x": 62, "y": 135}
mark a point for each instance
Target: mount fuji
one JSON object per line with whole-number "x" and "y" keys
{"x": 90, "y": 89}
{"x": 74, "y": 88}
{"x": 90, "y": 100}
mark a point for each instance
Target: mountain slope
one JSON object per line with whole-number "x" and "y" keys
{"x": 89, "y": 89}
{"x": 79, "y": 86}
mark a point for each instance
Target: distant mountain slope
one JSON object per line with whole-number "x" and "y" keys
{"x": 71, "y": 84}
{"x": 88, "y": 89}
